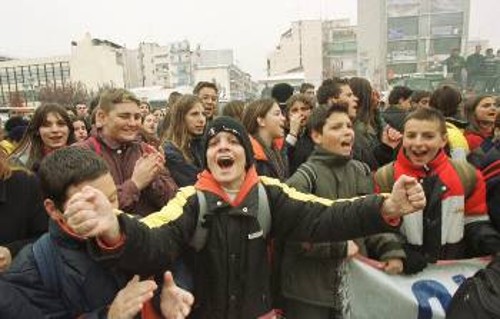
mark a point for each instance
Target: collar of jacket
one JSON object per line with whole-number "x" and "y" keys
{"x": 206, "y": 182}
{"x": 476, "y": 130}
{"x": 112, "y": 144}
{"x": 328, "y": 158}
{"x": 456, "y": 123}
{"x": 436, "y": 165}
{"x": 258, "y": 149}
{"x": 64, "y": 235}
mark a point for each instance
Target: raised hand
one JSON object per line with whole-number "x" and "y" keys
{"x": 129, "y": 300}
{"x": 295, "y": 123}
{"x": 352, "y": 249}
{"x": 176, "y": 302}
{"x": 393, "y": 266}
{"x": 5, "y": 258}
{"x": 391, "y": 137}
{"x": 89, "y": 213}
{"x": 147, "y": 168}
{"x": 407, "y": 197}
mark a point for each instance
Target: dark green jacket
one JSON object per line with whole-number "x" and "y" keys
{"x": 316, "y": 273}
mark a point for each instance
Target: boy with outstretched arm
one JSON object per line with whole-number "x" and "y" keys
{"x": 231, "y": 271}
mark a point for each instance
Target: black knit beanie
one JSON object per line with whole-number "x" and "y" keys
{"x": 229, "y": 125}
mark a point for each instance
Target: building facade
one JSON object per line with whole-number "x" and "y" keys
{"x": 96, "y": 63}
{"x": 397, "y": 37}
{"x": 170, "y": 65}
{"x": 316, "y": 48}
{"x": 92, "y": 62}
{"x": 339, "y": 48}
{"x": 28, "y": 75}
{"x": 232, "y": 82}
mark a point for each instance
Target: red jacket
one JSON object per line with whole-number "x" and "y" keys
{"x": 449, "y": 217}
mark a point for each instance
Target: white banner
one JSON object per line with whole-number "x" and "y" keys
{"x": 425, "y": 295}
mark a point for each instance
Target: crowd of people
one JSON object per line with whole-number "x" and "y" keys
{"x": 117, "y": 210}
{"x": 477, "y": 67}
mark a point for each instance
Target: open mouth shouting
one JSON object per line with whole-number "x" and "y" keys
{"x": 346, "y": 143}
{"x": 225, "y": 162}
{"x": 420, "y": 156}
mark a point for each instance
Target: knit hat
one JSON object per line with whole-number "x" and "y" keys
{"x": 281, "y": 92}
{"x": 16, "y": 134}
{"x": 14, "y": 121}
{"x": 229, "y": 125}
{"x": 15, "y": 127}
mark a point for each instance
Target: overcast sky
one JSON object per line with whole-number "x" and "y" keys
{"x": 37, "y": 28}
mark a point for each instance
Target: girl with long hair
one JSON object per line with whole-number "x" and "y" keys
{"x": 481, "y": 113}
{"x": 182, "y": 141}
{"x": 265, "y": 123}
{"x": 49, "y": 129}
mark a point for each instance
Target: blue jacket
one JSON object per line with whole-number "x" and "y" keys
{"x": 184, "y": 172}
{"x": 96, "y": 286}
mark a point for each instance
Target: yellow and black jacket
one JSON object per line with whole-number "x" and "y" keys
{"x": 232, "y": 271}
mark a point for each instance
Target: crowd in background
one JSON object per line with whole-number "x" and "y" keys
{"x": 339, "y": 140}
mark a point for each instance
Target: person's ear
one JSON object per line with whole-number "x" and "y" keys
{"x": 261, "y": 122}
{"x": 52, "y": 210}
{"x": 100, "y": 116}
{"x": 332, "y": 100}
{"x": 317, "y": 137}
{"x": 444, "y": 140}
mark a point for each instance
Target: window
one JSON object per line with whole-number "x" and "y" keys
{"x": 446, "y": 6}
{"x": 444, "y": 46}
{"x": 402, "y": 28}
{"x": 402, "y": 51}
{"x": 447, "y": 24}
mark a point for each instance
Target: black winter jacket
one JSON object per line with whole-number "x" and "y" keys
{"x": 231, "y": 272}
{"x": 22, "y": 215}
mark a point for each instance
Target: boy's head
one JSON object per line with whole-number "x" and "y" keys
{"x": 228, "y": 151}
{"x": 119, "y": 115}
{"x": 424, "y": 135}
{"x": 299, "y": 105}
{"x": 337, "y": 90}
{"x": 66, "y": 171}
{"x": 401, "y": 95}
{"x": 331, "y": 128}
{"x": 209, "y": 96}
{"x": 447, "y": 99}
{"x": 281, "y": 92}
{"x": 307, "y": 89}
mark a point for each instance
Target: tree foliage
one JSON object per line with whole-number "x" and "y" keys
{"x": 16, "y": 99}
{"x": 68, "y": 95}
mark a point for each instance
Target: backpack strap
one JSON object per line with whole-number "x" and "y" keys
{"x": 491, "y": 171}
{"x": 384, "y": 178}
{"x": 264, "y": 213}
{"x": 307, "y": 170}
{"x": 467, "y": 174}
{"x": 51, "y": 266}
{"x": 362, "y": 166}
{"x": 200, "y": 235}
{"x": 47, "y": 261}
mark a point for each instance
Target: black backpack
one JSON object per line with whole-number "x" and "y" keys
{"x": 478, "y": 296}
